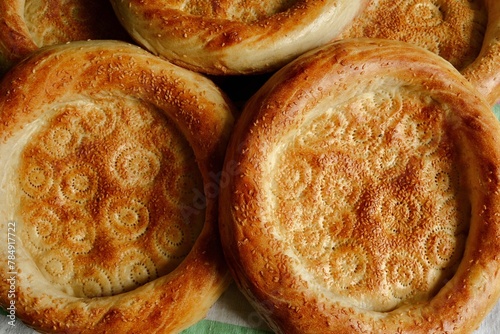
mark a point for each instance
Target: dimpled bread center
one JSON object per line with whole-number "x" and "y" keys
{"x": 370, "y": 202}
{"x": 104, "y": 189}
{"x": 245, "y": 11}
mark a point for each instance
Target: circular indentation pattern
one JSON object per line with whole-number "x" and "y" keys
{"x": 405, "y": 275}
{"x": 79, "y": 231}
{"x": 37, "y": 179}
{"x": 93, "y": 281}
{"x": 135, "y": 165}
{"x": 298, "y": 177}
{"x": 98, "y": 122}
{"x": 57, "y": 266}
{"x": 386, "y": 186}
{"x": 105, "y": 206}
{"x": 337, "y": 192}
{"x": 444, "y": 248}
{"x": 176, "y": 241}
{"x": 128, "y": 217}
{"x": 41, "y": 229}
{"x": 61, "y": 139}
{"x": 348, "y": 265}
{"x": 140, "y": 269}
{"x": 79, "y": 183}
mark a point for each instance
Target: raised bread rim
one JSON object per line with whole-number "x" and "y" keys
{"x": 463, "y": 302}
{"x": 168, "y": 303}
{"x": 484, "y": 72}
{"x": 224, "y": 46}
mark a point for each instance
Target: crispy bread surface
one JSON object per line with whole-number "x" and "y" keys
{"x": 364, "y": 194}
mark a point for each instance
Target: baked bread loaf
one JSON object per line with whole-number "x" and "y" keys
{"x": 27, "y": 25}
{"x": 110, "y": 160}
{"x": 364, "y": 194}
{"x": 234, "y": 37}
{"x": 464, "y": 32}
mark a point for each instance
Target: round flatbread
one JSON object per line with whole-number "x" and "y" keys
{"x": 234, "y": 37}
{"x": 364, "y": 194}
{"x": 109, "y": 190}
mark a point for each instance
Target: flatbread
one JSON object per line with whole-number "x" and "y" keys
{"x": 363, "y": 194}
{"x": 109, "y": 190}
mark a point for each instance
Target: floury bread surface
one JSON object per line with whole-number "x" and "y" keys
{"x": 365, "y": 194}
{"x": 234, "y": 37}
{"x": 108, "y": 175}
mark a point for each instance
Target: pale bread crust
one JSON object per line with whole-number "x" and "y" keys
{"x": 272, "y": 269}
{"x": 466, "y": 33}
{"x": 112, "y": 76}
{"x": 26, "y": 25}
{"x": 234, "y": 37}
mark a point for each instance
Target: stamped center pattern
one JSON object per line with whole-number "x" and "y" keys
{"x": 102, "y": 203}
{"x": 372, "y": 202}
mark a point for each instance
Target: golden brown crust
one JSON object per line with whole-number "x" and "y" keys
{"x": 27, "y": 25}
{"x": 484, "y": 72}
{"x": 234, "y": 37}
{"x": 364, "y": 194}
{"x": 110, "y": 169}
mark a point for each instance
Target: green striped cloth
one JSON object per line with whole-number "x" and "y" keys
{"x": 212, "y": 326}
